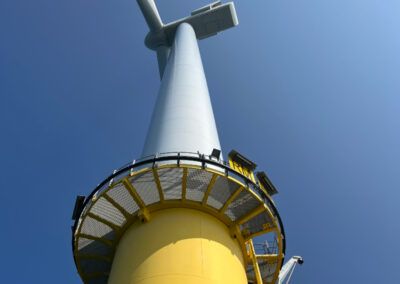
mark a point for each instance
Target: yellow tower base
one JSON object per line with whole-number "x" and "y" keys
{"x": 171, "y": 221}
{"x": 178, "y": 246}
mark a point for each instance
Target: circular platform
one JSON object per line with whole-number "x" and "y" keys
{"x": 176, "y": 180}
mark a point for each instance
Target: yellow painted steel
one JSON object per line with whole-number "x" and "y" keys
{"x": 230, "y": 199}
{"x": 209, "y": 188}
{"x": 184, "y": 181}
{"x": 178, "y": 246}
{"x": 253, "y": 257}
{"x": 243, "y": 170}
{"x": 158, "y": 183}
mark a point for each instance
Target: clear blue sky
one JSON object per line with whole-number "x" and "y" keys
{"x": 308, "y": 89}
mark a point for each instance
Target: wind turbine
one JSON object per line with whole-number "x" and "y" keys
{"x": 180, "y": 214}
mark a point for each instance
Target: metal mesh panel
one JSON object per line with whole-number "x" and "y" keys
{"x": 267, "y": 270}
{"x": 86, "y": 208}
{"x": 116, "y": 179}
{"x": 83, "y": 242}
{"x": 268, "y": 203}
{"x": 171, "y": 182}
{"x": 250, "y": 273}
{"x": 223, "y": 189}
{"x": 259, "y": 223}
{"x": 243, "y": 204}
{"x": 236, "y": 176}
{"x": 95, "y": 228}
{"x": 86, "y": 246}
{"x": 94, "y": 265}
{"x": 146, "y": 187}
{"x": 256, "y": 190}
{"x": 197, "y": 183}
{"x": 107, "y": 211}
{"x": 121, "y": 195}
{"x": 102, "y": 189}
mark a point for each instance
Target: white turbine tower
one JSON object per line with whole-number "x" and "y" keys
{"x": 183, "y": 120}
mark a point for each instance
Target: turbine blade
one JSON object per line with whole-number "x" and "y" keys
{"x": 151, "y": 15}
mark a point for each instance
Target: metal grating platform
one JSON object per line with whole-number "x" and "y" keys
{"x": 212, "y": 187}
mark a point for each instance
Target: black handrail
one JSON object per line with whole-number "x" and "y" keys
{"x": 179, "y": 157}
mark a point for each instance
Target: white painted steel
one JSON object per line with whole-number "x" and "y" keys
{"x": 151, "y": 15}
{"x": 206, "y": 21}
{"x": 163, "y": 52}
{"x": 183, "y": 120}
{"x": 288, "y": 268}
